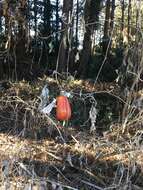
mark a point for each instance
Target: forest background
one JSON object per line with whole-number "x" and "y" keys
{"x": 92, "y": 49}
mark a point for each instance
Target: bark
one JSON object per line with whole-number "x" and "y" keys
{"x": 91, "y": 17}
{"x": 0, "y": 24}
{"x": 86, "y": 52}
{"x": 106, "y": 27}
{"x": 123, "y": 15}
{"x": 112, "y": 20}
{"x": 22, "y": 31}
{"x": 138, "y": 22}
{"x": 47, "y": 17}
{"x": 6, "y": 15}
{"x": 57, "y": 23}
{"x": 65, "y": 37}
{"x": 138, "y": 16}
{"x": 18, "y": 12}
{"x": 35, "y": 17}
{"x": 129, "y": 19}
{"x": 112, "y": 16}
{"x": 1, "y": 12}
{"x": 77, "y": 19}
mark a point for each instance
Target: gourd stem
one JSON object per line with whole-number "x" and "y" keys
{"x": 64, "y": 123}
{"x": 62, "y": 92}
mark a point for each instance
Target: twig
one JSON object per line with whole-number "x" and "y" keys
{"x": 52, "y": 122}
{"x": 61, "y": 173}
{"x": 92, "y": 185}
{"x": 60, "y": 184}
{"x": 54, "y": 156}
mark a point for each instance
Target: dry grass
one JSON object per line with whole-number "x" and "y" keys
{"x": 34, "y": 156}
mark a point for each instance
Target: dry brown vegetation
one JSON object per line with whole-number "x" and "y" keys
{"x": 34, "y": 156}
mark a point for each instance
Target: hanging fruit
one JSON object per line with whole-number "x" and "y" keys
{"x": 63, "y": 109}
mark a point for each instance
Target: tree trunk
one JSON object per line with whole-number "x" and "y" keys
{"x": 112, "y": 21}
{"x": 86, "y": 52}
{"x": 106, "y": 28}
{"x": 6, "y": 15}
{"x": 1, "y": 14}
{"x": 65, "y": 37}
{"x": 129, "y": 19}
{"x": 77, "y": 18}
{"x": 35, "y": 17}
{"x": 47, "y": 17}
{"x": 57, "y": 25}
{"x": 22, "y": 31}
{"x": 112, "y": 16}
{"x": 138, "y": 16}
{"x": 123, "y": 15}
{"x": 138, "y": 22}
{"x": 91, "y": 15}
{"x": 0, "y": 24}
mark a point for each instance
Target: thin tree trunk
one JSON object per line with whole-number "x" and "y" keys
{"x": 28, "y": 24}
{"x": 0, "y": 24}
{"x": 138, "y": 15}
{"x": 35, "y": 17}
{"x": 112, "y": 20}
{"x": 57, "y": 23}
{"x": 1, "y": 14}
{"x": 6, "y": 18}
{"x": 112, "y": 16}
{"x": 77, "y": 18}
{"x": 123, "y": 15}
{"x": 129, "y": 19}
{"x": 106, "y": 27}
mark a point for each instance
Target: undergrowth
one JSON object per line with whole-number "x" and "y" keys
{"x": 37, "y": 152}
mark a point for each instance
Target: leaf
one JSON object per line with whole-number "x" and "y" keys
{"x": 49, "y": 107}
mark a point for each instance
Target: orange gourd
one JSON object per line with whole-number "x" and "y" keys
{"x": 63, "y": 110}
